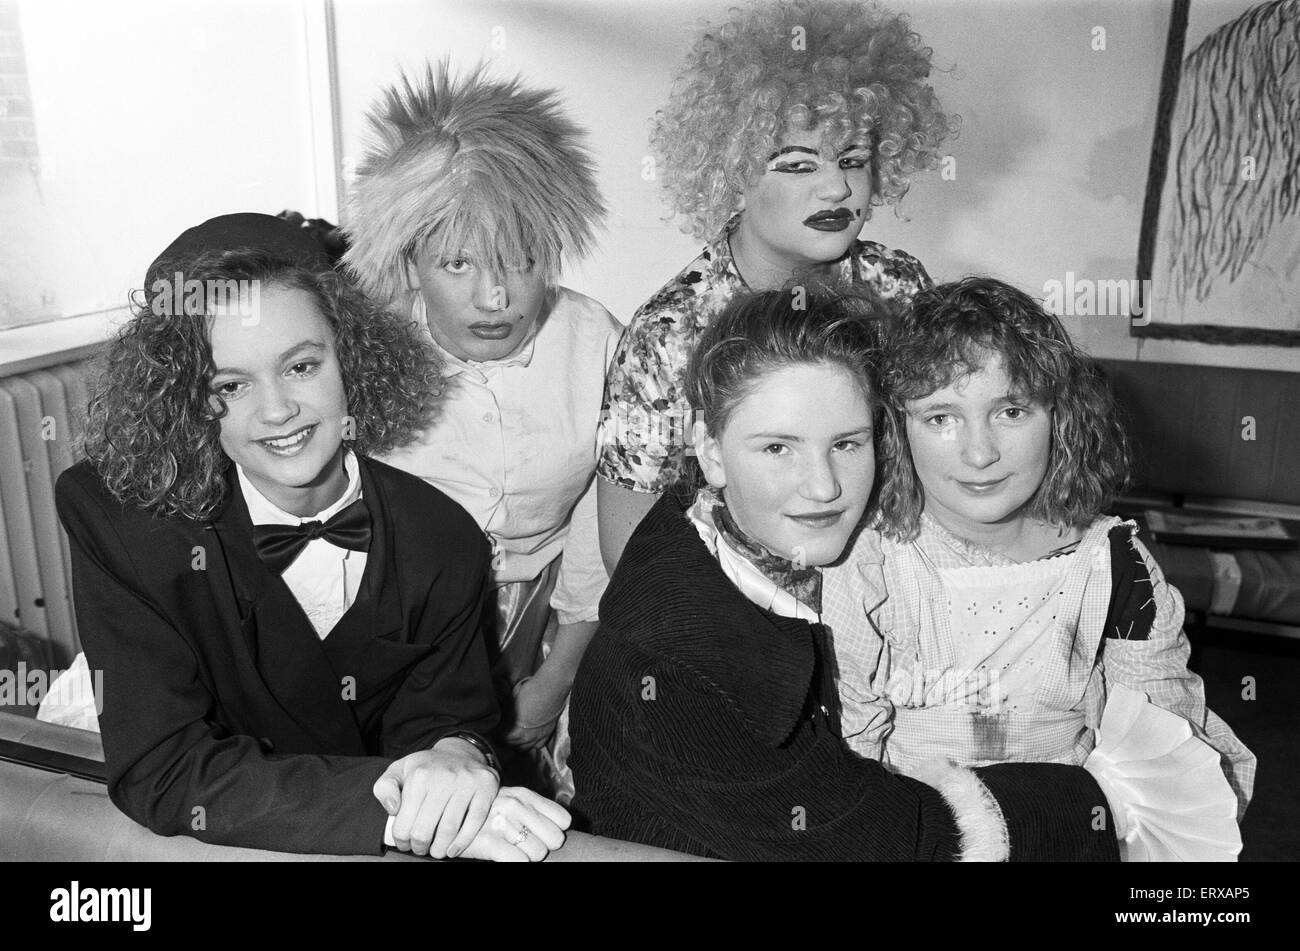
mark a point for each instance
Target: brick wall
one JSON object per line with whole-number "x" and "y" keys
{"x": 17, "y": 128}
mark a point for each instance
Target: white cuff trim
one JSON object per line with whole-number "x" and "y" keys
{"x": 983, "y": 828}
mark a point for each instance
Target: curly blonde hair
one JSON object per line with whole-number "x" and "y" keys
{"x": 852, "y": 69}
{"x": 152, "y": 431}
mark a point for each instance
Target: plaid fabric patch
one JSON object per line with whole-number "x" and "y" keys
{"x": 888, "y": 614}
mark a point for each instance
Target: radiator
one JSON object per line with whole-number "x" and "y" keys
{"x": 41, "y": 417}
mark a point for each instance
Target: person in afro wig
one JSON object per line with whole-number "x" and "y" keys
{"x": 463, "y": 209}
{"x": 788, "y": 123}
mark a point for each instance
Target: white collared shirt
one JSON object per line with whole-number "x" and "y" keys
{"x": 514, "y": 442}
{"x": 324, "y": 578}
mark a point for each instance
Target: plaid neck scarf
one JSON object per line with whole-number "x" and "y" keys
{"x": 802, "y": 583}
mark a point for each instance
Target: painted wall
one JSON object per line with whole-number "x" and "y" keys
{"x": 1051, "y": 162}
{"x": 153, "y": 115}
{"x": 150, "y": 116}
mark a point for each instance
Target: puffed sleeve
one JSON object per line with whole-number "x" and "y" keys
{"x": 1146, "y": 648}
{"x": 894, "y": 274}
{"x": 646, "y": 416}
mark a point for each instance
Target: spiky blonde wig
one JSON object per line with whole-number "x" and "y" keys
{"x": 478, "y": 168}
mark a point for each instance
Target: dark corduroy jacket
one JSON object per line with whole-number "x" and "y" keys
{"x": 703, "y": 723}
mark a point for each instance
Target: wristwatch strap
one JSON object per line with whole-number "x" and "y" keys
{"x": 480, "y": 744}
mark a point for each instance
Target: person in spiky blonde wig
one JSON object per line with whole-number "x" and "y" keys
{"x": 475, "y": 167}
{"x": 471, "y": 195}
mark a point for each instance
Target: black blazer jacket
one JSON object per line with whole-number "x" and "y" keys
{"x": 224, "y": 715}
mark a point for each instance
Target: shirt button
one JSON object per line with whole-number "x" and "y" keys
{"x": 494, "y": 491}
{"x": 489, "y": 418}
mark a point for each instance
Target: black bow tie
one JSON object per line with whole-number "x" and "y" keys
{"x": 279, "y": 545}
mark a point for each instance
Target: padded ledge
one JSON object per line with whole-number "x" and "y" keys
{"x": 51, "y": 736}
{"x": 50, "y": 816}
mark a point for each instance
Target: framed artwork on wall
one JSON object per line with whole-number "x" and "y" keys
{"x": 1219, "y": 251}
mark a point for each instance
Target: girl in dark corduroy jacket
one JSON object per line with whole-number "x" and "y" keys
{"x": 705, "y": 716}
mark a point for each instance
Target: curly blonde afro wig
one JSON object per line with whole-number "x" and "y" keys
{"x": 849, "y": 68}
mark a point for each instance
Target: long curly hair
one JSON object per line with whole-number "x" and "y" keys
{"x": 852, "y": 69}
{"x": 153, "y": 426}
{"x": 953, "y": 330}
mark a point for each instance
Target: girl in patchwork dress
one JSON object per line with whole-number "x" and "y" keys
{"x": 1011, "y": 619}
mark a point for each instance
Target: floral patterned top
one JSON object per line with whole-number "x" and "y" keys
{"x": 646, "y": 417}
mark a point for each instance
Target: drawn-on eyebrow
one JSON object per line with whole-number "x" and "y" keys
{"x": 787, "y": 149}
{"x": 301, "y": 345}
{"x": 855, "y": 147}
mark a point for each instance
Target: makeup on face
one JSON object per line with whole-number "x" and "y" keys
{"x": 796, "y": 461}
{"x": 479, "y": 313}
{"x": 806, "y": 208}
{"x": 801, "y": 160}
{"x": 836, "y": 220}
{"x": 282, "y": 389}
{"x": 980, "y": 450}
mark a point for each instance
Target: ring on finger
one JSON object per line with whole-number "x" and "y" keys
{"x": 524, "y": 833}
